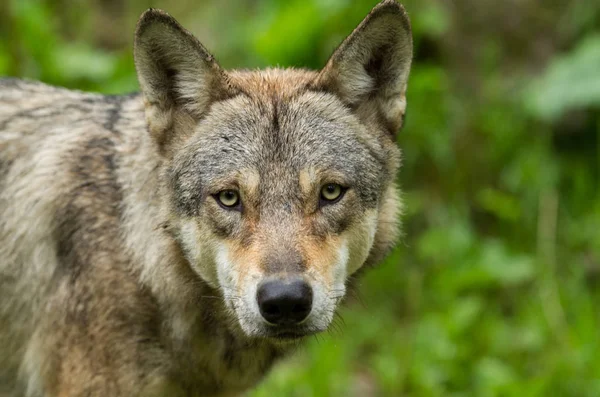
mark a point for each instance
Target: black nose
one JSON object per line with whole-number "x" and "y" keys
{"x": 283, "y": 302}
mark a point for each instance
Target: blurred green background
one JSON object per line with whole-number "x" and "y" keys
{"x": 493, "y": 290}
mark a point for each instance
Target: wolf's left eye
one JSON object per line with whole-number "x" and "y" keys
{"x": 331, "y": 193}
{"x": 228, "y": 198}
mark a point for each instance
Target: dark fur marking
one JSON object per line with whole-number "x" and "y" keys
{"x": 342, "y": 225}
{"x": 66, "y": 231}
{"x": 24, "y": 113}
{"x": 89, "y": 210}
{"x": 376, "y": 67}
{"x": 5, "y": 165}
{"x": 275, "y": 102}
{"x": 220, "y": 227}
{"x": 184, "y": 201}
{"x": 230, "y": 353}
{"x": 114, "y": 113}
{"x": 29, "y": 113}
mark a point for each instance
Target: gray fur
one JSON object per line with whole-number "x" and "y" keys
{"x": 120, "y": 273}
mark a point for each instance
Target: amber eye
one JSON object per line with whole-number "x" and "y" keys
{"x": 331, "y": 192}
{"x": 228, "y": 198}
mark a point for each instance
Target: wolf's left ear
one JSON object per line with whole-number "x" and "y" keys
{"x": 178, "y": 77}
{"x": 369, "y": 70}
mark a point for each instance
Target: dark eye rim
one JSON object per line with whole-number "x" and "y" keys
{"x": 324, "y": 202}
{"x": 236, "y": 207}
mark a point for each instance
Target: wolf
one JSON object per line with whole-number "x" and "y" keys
{"x": 178, "y": 242}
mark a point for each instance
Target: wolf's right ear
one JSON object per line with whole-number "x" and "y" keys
{"x": 369, "y": 70}
{"x": 178, "y": 77}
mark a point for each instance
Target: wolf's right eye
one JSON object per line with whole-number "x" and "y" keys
{"x": 228, "y": 198}
{"x": 331, "y": 193}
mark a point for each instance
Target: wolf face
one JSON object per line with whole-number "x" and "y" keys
{"x": 280, "y": 182}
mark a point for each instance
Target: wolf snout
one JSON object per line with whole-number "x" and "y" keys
{"x": 285, "y": 302}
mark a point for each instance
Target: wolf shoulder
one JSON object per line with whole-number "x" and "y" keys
{"x": 36, "y": 117}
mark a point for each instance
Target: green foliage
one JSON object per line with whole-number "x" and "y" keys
{"x": 572, "y": 81}
{"x": 493, "y": 290}
{"x": 34, "y": 48}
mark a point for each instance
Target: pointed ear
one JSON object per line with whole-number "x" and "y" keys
{"x": 178, "y": 77}
{"x": 369, "y": 70}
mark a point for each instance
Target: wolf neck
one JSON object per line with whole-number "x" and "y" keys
{"x": 193, "y": 313}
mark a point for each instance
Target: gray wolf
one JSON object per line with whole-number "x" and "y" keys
{"x": 179, "y": 241}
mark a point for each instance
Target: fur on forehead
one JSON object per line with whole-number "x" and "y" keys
{"x": 294, "y": 126}
{"x": 272, "y": 82}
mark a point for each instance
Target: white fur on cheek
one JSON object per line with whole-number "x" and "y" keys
{"x": 323, "y": 295}
{"x": 361, "y": 242}
{"x": 240, "y": 294}
{"x": 340, "y": 271}
{"x": 197, "y": 252}
{"x": 225, "y": 272}
{"x": 352, "y": 253}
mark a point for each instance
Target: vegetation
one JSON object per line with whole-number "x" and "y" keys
{"x": 494, "y": 289}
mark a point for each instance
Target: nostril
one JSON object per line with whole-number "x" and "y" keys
{"x": 285, "y": 302}
{"x": 271, "y": 309}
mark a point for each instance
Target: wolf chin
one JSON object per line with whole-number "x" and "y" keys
{"x": 179, "y": 241}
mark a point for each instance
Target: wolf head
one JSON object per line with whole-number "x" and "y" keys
{"x": 281, "y": 182}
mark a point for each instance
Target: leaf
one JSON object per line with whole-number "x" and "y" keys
{"x": 571, "y": 81}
